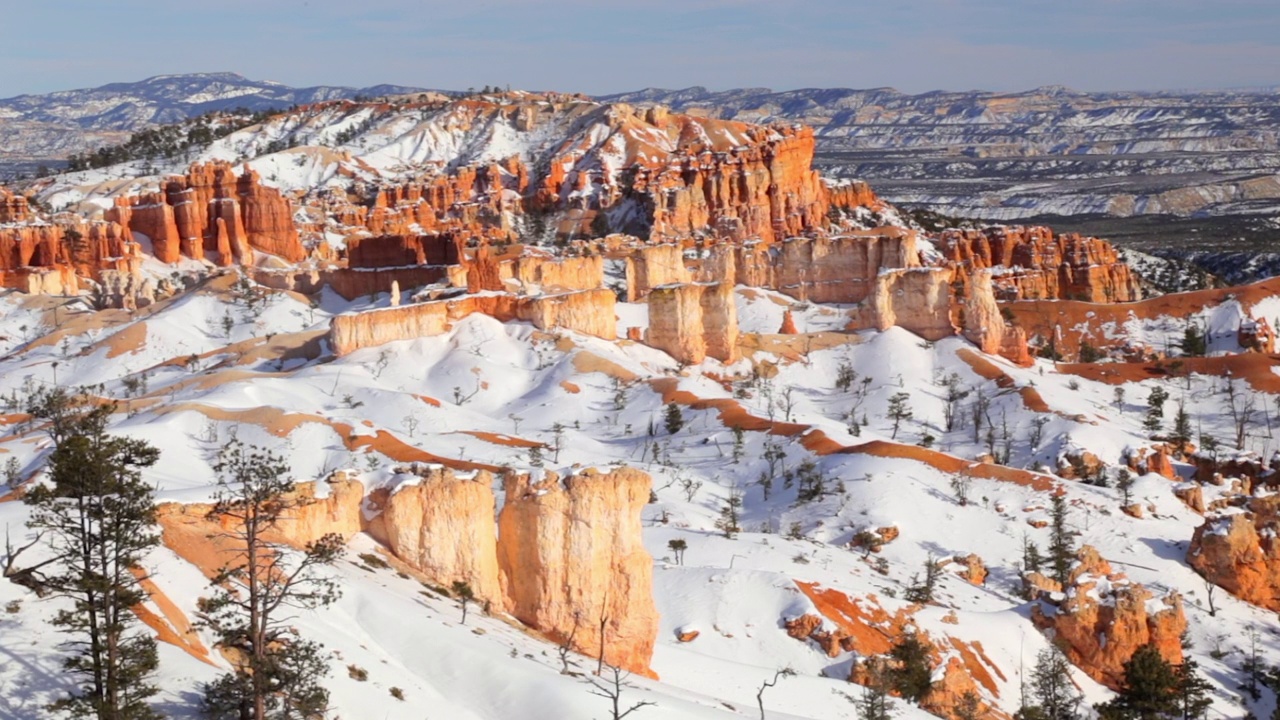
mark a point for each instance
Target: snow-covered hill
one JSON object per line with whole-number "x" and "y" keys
{"x": 735, "y": 593}
{"x": 48, "y": 128}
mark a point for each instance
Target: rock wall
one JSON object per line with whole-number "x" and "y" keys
{"x": 692, "y": 322}
{"x": 826, "y": 270}
{"x": 1046, "y": 266}
{"x": 917, "y": 300}
{"x": 443, "y": 526}
{"x": 1239, "y": 552}
{"x": 391, "y": 251}
{"x": 570, "y": 558}
{"x": 1104, "y": 618}
{"x": 591, "y": 312}
{"x": 654, "y": 265}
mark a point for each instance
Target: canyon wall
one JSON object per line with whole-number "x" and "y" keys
{"x": 572, "y": 563}
{"x": 13, "y": 208}
{"x": 51, "y": 259}
{"x": 442, "y": 525}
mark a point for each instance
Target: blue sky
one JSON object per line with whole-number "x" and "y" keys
{"x": 601, "y": 46}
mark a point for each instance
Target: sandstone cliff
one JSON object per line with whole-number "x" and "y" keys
{"x": 1239, "y": 552}
{"x": 571, "y": 561}
{"x": 1105, "y": 617}
{"x": 52, "y": 259}
{"x": 442, "y": 525}
{"x": 986, "y": 327}
{"x": 694, "y": 321}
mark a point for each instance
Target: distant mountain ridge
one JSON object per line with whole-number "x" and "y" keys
{"x": 47, "y": 128}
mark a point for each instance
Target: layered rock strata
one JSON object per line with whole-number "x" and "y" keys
{"x": 1041, "y": 265}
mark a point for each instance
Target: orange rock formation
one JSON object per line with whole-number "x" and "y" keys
{"x": 694, "y": 321}
{"x": 1239, "y": 552}
{"x": 571, "y": 561}
{"x": 1104, "y": 618}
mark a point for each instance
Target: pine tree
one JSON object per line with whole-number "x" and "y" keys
{"x": 1150, "y": 690}
{"x": 1055, "y": 696}
{"x": 875, "y": 703}
{"x": 899, "y": 410}
{"x": 673, "y": 419}
{"x": 1181, "y": 434}
{"x": 99, "y": 518}
{"x": 921, "y": 591}
{"x": 1124, "y": 481}
{"x": 280, "y": 675}
{"x": 1192, "y": 693}
{"x": 730, "y": 514}
{"x": 1061, "y": 550}
{"x": 910, "y": 675}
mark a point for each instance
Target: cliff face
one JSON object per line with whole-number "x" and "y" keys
{"x": 1046, "y": 266}
{"x": 591, "y": 312}
{"x": 570, "y": 558}
{"x": 916, "y": 300}
{"x": 694, "y": 321}
{"x": 1105, "y": 618}
{"x": 384, "y": 251}
{"x": 1239, "y": 552}
{"x": 211, "y": 209}
{"x": 443, "y": 526}
{"x": 654, "y": 265}
{"x": 827, "y": 270}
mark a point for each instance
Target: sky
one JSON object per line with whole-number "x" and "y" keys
{"x": 605, "y": 46}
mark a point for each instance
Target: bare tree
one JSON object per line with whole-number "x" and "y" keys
{"x": 610, "y": 687}
{"x": 777, "y": 677}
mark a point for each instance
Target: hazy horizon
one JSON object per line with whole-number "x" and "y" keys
{"x": 605, "y": 47}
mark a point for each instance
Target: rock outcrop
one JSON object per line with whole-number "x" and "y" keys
{"x": 442, "y": 525}
{"x": 1042, "y": 266}
{"x": 918, "y": 300}
{"x": 693, "y": 322}
{"x": 572, "y": 564}
{"x": 13, "y": 208}
{"x": 1101, "y": 617}
{"x": 1238, "y": 551}
{"x": 591, "y": 312}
